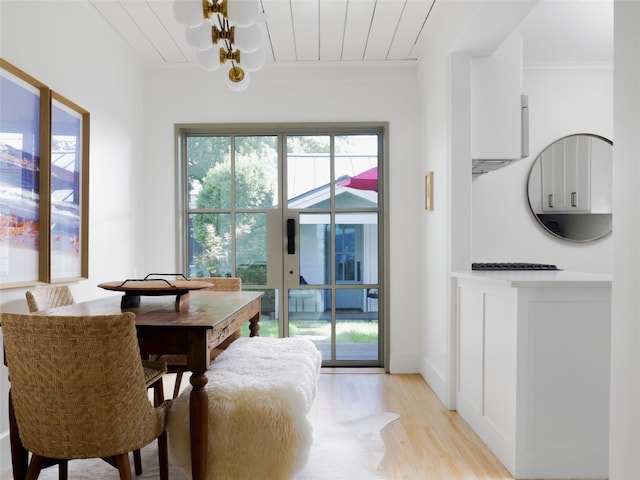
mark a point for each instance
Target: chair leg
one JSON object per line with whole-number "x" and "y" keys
{"x": 123, "y": 466}
{"x": 137, "y": 462}
{"x": 176, "y": 388}
{"x": 35, "y": 466}
{"x": 163, "y": 456}
{"x": 163, "y": 451}
{"x": 63, "y": 470}
{"x": 158, "y": 398}
{"x": 158, "y": 393}
{"x": 19, "y": 454}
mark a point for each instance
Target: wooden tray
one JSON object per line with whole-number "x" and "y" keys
{"x": 135, "y": 288}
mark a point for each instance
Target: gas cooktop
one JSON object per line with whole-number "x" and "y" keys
{"x": 512, "y": 266}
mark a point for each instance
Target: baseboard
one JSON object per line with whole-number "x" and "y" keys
{"x": 404, "y": 363}
{"x": 436, "y": 379}
{"x": 350, "y": 370}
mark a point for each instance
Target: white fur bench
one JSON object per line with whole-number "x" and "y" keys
{"x": 260, "y": 391}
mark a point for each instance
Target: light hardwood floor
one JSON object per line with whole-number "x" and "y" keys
{"x": 428, "y": 442}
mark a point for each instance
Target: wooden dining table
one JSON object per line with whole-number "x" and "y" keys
{"x": 201, "y": 321}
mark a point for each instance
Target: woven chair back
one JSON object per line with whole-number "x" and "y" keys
{"x": 225, "y": 284}
{"x": 48, "y": 297}
{"x": 77, "y": 385}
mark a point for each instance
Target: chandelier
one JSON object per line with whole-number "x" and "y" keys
{"x": 224, "y": 32}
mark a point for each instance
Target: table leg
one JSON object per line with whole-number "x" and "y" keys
{"x": 19, "y": 455}
{"x": 254, "y": 325}
{"x": 198, "y": 425}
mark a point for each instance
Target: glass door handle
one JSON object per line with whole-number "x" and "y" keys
{"x": 291, "y": 236}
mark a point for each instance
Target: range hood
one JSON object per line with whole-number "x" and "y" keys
{"x": 480, "y": 166}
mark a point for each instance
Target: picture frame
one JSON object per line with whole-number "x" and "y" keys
{"x": 24, "y": 153}
{"x": 44, "y": 186}
{"x": 428, "y": 192}
{"x": 68, "y": 190}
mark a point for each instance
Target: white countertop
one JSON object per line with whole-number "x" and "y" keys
{"x": 538, "y": 278}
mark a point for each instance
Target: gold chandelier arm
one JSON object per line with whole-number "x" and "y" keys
{"x": 232, "y": 55}
{"x": 209, "y": 9}
{"x": 218, "y": 34}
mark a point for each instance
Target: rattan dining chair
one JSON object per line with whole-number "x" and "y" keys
{"x": 48, "y": 297}
{"x": 67, "y": 404}
{"x": 44, "y": 298}
{"x": 178, "y": 363}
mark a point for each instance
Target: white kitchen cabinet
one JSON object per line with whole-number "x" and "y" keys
{"x": 566, "y": 175}
{"x": 533, "y": 369}
{"x": 497, "y": 130}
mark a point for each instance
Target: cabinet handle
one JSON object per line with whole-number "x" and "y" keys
{"x": 574, "y": 199}
{"x": 550, "y": 199}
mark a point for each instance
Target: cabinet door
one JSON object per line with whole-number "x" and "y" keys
{"x": 471, "y": 349}
{"x": 500, "y": 361}
{"x": 552, "y": 166}
{"x": 496, "y": 108}
{"x": 577, "y": 159}
{"x": 566, "y": 176}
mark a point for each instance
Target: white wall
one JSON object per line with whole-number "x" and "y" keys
{"x": 619, "y": 254}
{"x": 457, "y": 32}
{"x": 624, "y": 460}
{"x": 488, "y": 219}
{"x": 64, "y": 45}
{"x": 445, "y": 99}
{"x": 70, "y": 49}
{"x": 297, "y": 94}
{"x": 562, "y": 101}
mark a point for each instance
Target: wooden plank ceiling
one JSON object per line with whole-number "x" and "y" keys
{"x": 294, "y": 30}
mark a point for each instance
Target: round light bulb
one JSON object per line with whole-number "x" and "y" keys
{"x": 243, "y": 13}
{"x": 240, "y": 85}
{"x": 188, "y": 12}
{"x": 247, "y": 39}
{"x": 200, "y": 36}
{"x": 252, "y": 61}
{"x": 209, "y": 59}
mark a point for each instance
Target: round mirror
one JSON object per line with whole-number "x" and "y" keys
{"x": 570, "y": 187}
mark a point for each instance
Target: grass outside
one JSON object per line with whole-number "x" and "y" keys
{"x": 352, "y": 331}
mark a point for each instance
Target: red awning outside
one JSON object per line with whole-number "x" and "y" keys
{"x": 367, "y": 180}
